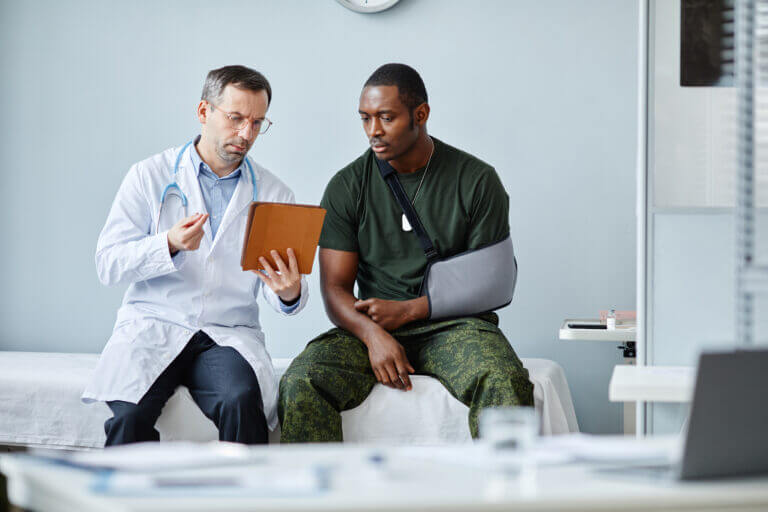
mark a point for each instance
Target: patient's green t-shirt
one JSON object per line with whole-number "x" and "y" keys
{"x": 462, "y": 205}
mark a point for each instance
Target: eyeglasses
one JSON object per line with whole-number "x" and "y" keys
{"x": 237, "y": 122}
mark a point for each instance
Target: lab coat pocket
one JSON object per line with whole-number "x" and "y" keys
{"x": 120, "y": 324}
{"x": 124, "y": 331}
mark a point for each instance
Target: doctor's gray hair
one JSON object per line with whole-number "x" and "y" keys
{"x": 238, "y": 76}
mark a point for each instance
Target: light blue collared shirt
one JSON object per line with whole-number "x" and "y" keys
{"x": 217, "y": 192}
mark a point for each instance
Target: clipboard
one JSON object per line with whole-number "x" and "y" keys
{"x": 278, "y": 226}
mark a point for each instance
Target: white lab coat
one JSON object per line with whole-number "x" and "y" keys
{"x": 168, "y": 300}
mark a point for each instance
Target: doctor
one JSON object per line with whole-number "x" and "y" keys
{"x": 190, "y": 316}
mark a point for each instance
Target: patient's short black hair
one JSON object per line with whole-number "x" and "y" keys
{"x": 409, "y": 84}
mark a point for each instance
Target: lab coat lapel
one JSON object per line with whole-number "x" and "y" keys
{"x": 242, "y": 197}
{"x": 189, "y": 183}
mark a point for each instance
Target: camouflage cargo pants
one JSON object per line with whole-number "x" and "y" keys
{"x": 469, "y": 356}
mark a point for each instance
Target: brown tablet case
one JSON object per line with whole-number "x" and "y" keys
{"x": 279, "y": 226}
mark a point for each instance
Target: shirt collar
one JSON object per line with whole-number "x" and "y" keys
{"x": 199, "y": 165}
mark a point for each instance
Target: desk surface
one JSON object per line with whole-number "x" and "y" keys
{"x": 409, "y": 479}
{"x": 622, "y": 333}
{"x": 631, "y": 383}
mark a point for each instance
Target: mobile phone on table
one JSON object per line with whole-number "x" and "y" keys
{"x": 587, "y": 326}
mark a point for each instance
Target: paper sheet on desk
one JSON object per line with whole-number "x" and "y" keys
{"x": 153, "y": 456}
{"x": 563, "y": 449}
{"x": 258, "y": 481}
{"x": 593, "y": 448}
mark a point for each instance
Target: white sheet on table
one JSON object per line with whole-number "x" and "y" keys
{"x": 430, "y": 414}
{"x": 40, "y": 400}
{"x": 40, "y": 405}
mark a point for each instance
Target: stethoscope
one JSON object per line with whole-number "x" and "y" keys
{"x": 175, "y": 189}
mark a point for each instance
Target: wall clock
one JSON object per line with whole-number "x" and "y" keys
{"x": 368, "y": 6}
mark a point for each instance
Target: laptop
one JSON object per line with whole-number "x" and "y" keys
{"x": 727, "y": 432}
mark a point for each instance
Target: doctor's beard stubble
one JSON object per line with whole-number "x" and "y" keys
{"x": 229, "y": 154}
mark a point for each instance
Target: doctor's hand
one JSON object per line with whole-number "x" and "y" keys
{"x": 391, "y": 314}
{"x": 186, "y": 234}
{"x": 286, "y": 281}
{"x": 388, "y": 361}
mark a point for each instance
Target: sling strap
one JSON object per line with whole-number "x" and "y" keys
{"x": 390, "y": 177}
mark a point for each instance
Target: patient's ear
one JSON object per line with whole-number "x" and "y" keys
{"x": 421, "y": 114}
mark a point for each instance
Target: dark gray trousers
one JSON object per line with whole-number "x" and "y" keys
{"x": 221, "y": 382}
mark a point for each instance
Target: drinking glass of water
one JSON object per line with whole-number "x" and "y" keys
{"x": 509, "y": 434}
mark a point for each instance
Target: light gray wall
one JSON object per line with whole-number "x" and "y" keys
{"x": 545, "y": 91}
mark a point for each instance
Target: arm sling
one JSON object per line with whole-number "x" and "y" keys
{"x": 468, "y": 283}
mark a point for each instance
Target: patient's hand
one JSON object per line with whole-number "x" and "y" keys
{"x": 391, "y": 314}
{"x": 389, "y": 362}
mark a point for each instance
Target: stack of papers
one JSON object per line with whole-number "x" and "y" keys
{"x": 593, "y": 448}
{"x": 155, "y": 457}
{"x": 563, "y": 449}
{"x": 262, "y": 481}
{"x": 197, "y": 469}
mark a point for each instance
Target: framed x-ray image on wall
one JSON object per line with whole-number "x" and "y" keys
{"x": 706, "y": 42}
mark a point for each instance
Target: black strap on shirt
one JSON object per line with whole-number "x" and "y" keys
{"x": 390, "y": 176}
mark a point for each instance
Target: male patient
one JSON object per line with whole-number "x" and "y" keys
{"x": 385, "y": 335}
{"x": 189, "y": 316}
